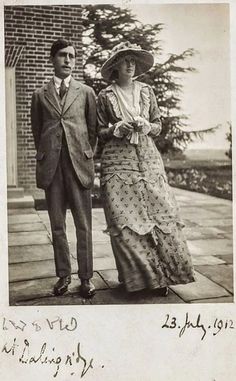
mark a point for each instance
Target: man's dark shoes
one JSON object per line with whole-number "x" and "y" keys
{"x": 62, "y": 285}
{"x": 87, "y": 289}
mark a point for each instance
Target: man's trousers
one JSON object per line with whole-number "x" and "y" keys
{"x": 64, "y": 190}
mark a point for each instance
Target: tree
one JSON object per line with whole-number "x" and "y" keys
{"x": 229, "y": 138}
{"x": 107, "y": 25}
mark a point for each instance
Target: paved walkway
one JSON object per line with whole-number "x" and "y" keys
{"x": 208, "y": 231}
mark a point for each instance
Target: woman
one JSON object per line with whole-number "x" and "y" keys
{"x": 140, "y": 210}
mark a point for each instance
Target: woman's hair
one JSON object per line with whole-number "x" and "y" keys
{"x": 60, "y": 44}
{"x": 114, "y": 74}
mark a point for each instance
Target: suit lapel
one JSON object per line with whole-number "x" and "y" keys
{"x": 51, "y": 96}
{"x": 72, "y": 94}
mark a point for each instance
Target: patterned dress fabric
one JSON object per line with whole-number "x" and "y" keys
{"x": 140, "y": 209}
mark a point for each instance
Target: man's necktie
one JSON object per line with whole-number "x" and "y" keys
{"x": 63, "y": 89}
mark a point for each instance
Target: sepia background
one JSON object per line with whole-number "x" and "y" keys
{"x": 126, "y": 342}
{"x": 191, "y": 81}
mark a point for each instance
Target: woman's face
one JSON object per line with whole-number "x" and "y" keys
{"x": 126, "y": 68}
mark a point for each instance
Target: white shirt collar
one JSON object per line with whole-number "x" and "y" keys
{"x": 57, "y": 81}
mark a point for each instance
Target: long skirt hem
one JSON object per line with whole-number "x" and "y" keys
{"x": 153, "y": 260}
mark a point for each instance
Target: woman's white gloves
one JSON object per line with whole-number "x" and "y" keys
{"x": 132, "y": 129}
{"x": 122, "y": 129}
{"x": 142, "y": 125}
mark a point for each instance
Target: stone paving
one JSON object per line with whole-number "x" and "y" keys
{"x": 209, "y": 235}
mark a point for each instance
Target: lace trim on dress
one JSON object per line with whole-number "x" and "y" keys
{"x": 144, "y": 102}
{"x": 112, "y": 98}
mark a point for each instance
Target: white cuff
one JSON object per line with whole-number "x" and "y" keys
{"x": 146, "y": 128}
{"x": 117, "y": 132}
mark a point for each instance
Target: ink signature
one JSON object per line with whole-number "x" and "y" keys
{"x": 55, "y": 324}
{"x": 48, "y": 356}
{"x": 196, "y": 323}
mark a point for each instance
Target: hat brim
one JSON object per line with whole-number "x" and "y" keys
{"x": 143, "y": 62}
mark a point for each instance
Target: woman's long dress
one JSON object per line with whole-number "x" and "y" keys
{"x": 141, "y": 211}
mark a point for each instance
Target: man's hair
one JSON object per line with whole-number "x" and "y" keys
{"x": 60, "y": 44}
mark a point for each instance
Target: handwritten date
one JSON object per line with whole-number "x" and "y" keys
{"x": 196, "y": 323}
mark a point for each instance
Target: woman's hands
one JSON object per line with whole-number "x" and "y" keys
{"x": 123, "y": 129}
{"x": 142, "y": 125}
{"x": 139, "y": 124}
{"x": 126, "y": 128}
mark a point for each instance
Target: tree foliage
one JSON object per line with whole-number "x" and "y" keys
{"x": 229, "y": 139}
{"x": 107, "y": 25}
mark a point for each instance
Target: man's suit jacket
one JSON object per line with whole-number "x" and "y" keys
{"x": 78, "y": 120}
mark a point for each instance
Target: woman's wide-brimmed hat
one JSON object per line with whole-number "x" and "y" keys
{"x": 143, "y": 59}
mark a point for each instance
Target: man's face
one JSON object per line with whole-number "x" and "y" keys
{"x": 64, "y": 62}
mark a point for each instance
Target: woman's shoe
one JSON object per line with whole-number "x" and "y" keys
{"x": 162, "y": 291}
{"x": 120, "y": 286}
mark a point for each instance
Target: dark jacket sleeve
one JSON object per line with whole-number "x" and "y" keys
{"x": 36, "y": 118}
{"x": 155, "y": 116}
{"x": 104, "y": 131}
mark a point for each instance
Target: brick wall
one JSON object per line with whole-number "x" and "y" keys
{"x": 35, "y": 28}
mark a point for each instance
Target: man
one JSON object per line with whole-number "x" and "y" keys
{"x": 63, "y": 118}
